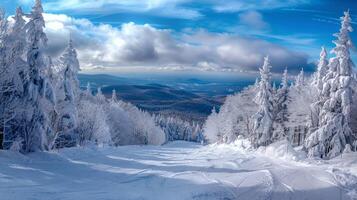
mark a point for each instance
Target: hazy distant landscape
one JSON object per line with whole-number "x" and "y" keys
{"x": 189, "y": 98}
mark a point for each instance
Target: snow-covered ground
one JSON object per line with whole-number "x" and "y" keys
{"x": 178, "y": 170}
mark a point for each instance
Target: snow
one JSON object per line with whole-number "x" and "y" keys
{"x": 283, "y": 150}
{"x": 178, "y": 170}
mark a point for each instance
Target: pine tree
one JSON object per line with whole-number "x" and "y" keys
{"x": 100, "y": 98}
{"x": 70, "y": 63}
{"x": 38, "y": 89}
{"x": 318, "y": 82}
{"x": 211, "y": 128}
{"x": 3, "y": 26}
{"x": 68, "y": 97}
{"x": 3, "y": 33}
{"x": 333, "y": 132}
{"x": 322, "y": 69}
{"x": 114, "y": 97}
{"x": 300, "y": 79}
{"x": 263, "y": 119}
{"x": 281, "y": 107}
{"x": 14, "y": 73}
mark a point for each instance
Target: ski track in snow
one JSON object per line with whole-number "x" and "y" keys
{"x": 178, "y": 170}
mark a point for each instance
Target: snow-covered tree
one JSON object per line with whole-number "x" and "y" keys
{"x": 333, "y": 132}
{"x": 322, "y": 68}
{"x": 100, "y": 98}
{"x": 233, "y": 119}
{"x": 67, "y": 98}
{"x": 88, "y": 91}
{"x": 13, "y": 73}
{"x": 3, "y": 33}
{"x": 317, "y": 85}
{"x": 211, "y": 129}
{"x": 300, "y": 97}
{"x": 3, "y": 25}
{"x": 142, "y": 126}
{"x": 281, "y": 109}
{"x": 38, "y": 93}
{"x": 263, "y": 119}
{"x": 92, "y": 125}
{"x": 41, "y": 105}
{"x": 300, "y": 79}
{"x": 114, "y": 96}
{"x": 176, "y": 128}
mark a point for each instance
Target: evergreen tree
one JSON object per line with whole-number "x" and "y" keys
{"x": 281, "y": 115}
{"x": 14, "y": 74}
{"x": 263, "y": 119}
{"x": 100, "y": 98}
{"x": 318, "y": 82}
{"x": 114, "y": 97}
{"x": 67, "y": 98}
{"x": 39, "y": 97}
{"x": 3, "y": 25}
{"x": 333, "y": 132}
{"x": 300, "y": 79}
{"x": 322, "y": 69}
{"x": 3, "y": 33}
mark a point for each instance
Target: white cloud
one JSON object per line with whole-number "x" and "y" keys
{"x": 140, "y": 46}
{"x": 253, "y": 19}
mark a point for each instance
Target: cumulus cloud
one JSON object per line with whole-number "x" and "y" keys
{"x": 133, "y": 46}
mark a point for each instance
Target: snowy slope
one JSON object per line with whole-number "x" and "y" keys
{"x": 178, "y": 170}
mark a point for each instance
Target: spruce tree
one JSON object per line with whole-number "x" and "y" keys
{"x": 263, "y": 119}
{"x": 38, "y": 89}
{"x": 114, "y": 98}
{"x": 321, "y": 70}
{"x": 317, "y": 84}
{"x": 333, "y": 132}
{"x": 68, "y": 97}
{"x": 14, "y": 74}
{"x": 281, "y": 115}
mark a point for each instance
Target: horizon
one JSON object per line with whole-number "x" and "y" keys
{"x": 202, "y": 37}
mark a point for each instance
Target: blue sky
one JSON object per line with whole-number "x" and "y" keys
{"x": 220, "y": 34}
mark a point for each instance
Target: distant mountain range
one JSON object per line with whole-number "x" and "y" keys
{"x": 189, "y": 98}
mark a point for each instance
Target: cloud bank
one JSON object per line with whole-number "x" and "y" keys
{"x": 134, "y": 46}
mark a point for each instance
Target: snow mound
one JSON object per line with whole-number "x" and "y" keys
{"x": 243, "y": 144}
{"x": 282, "y": 150}
{"x": 240, "y": 144}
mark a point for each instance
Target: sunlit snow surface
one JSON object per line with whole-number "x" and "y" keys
{"x": 178, "y": 170}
